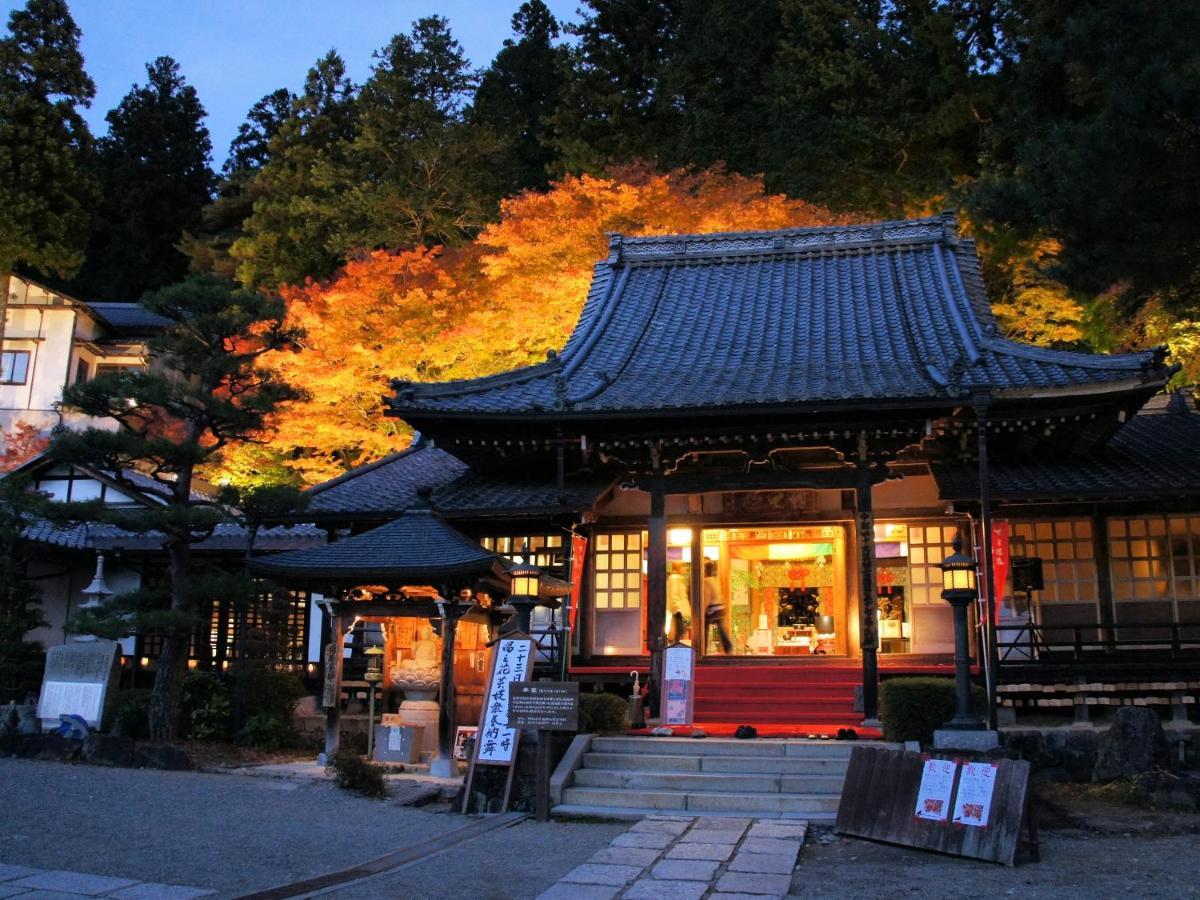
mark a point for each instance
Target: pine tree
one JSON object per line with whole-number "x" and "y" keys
{"x": 519, "y": 93}
{"x": 154, "y": 168}
{"x": 46, "y": 191}
{"x": 205, "y": 393}
{"x": 287, "y": 236}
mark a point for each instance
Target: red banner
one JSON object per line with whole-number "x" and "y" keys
{"x": 578, "y": 558}
{"x": 1000, "y": 559}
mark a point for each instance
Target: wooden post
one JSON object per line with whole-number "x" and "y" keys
{"x": 541, "y": 810}
{"x": 333, "y": 684}
{"x": 447, "y": 716}
{"x": 1104, "y": 596}
{"x": 656, "y": 589}
{"x": 982, "y": 403}
{"x": 869, "y": 630}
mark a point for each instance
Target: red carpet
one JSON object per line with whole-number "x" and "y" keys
{"x": 726, "y": 729}
{"x": 804, "y": 698}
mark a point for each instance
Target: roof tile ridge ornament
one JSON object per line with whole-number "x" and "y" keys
{"x": 616, "y": 242}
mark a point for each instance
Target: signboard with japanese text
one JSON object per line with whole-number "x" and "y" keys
{"x": 973, "y": 805}
{"x": 512, "y": 660}
{"x": 544, "y": 705}
{"x": 678, "y": 689}
{"x": 933, "y": 794}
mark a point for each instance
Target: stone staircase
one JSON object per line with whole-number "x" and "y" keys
{"x": 624, "y": 776}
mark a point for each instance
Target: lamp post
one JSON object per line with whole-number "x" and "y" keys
{"x": 373, "y": 676}
{"x": 524, "y": 592}
{"x": 959, "y": 589}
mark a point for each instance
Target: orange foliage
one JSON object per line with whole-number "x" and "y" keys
{"x": 498, "y": 303}
{"x": 21, "y": 445}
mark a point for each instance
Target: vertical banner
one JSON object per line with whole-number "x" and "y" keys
{"x": 578, "y": 559}
{"x": 678, "y": 689}
{"x": 1000, "y": 558}
{"x": 496, "y": 743}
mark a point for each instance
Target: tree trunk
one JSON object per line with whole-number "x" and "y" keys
{"x": 172, "y": 662}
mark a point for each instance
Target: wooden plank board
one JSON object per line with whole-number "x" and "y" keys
{"x": 880, "y": 796}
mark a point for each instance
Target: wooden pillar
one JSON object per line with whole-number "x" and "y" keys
{"x": 447, "y": 716}
{"x": 332, "y": 694}
{"x": 656, "y": 589}
{"x": 869, "y": 630}
{"x": 1107, "y": 617}
{"x": 696, "y": 591}
{"x": 982, "y": 404}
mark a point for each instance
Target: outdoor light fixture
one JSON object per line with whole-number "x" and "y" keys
{"x": 960, "y": 587}
{"x": 524, "y": 591}
{"x": 373, "y": 676}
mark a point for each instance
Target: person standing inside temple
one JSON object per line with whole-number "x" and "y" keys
{"x": 679, "y": 603}
{"x": 715, "y": 608}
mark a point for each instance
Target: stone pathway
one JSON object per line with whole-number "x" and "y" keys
{"x": 45, "y": 884}
{"x": 688, "y": 858}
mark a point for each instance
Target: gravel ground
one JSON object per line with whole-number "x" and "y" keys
{"x": 1074, "y": 866}
{"x": 228, "y": 832}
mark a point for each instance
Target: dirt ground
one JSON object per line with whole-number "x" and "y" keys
{"x": 1095, "y": 843}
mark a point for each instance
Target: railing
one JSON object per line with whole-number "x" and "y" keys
{"x": 1091, "y": 640}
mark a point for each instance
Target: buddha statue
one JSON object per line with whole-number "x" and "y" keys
{"x": 420, "y": 676}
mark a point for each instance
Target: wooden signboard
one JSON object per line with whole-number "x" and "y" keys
{"x": 679, "y": 685}
{"x": 544, "y": 705}
{"x": 974, "y": 809}
{"x": 496, "y": 740}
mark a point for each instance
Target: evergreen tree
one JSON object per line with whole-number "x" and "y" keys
{"x": 46, "y": 190}
{"x": 877, "y": 105}
{"x": 519, "y": 93}
{"x": 287, "y": 236}
{"x": 718, "y": 77}
{"x": 249, "y": 151}
{"x": 205, "y": 393}
{"x": 154, "y": 168}
{"x": 616, "y": 107}
{"x": 416, "y": 171}
{"x": 20, "y": 659}
{"x": 1097, "y": 144}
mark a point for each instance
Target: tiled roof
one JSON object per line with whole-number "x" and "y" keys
{"x": 129, "y": 318}
{"x": 390, "y": 485}
{"x": 417, "y": 546}
{"x": 1154, "y": 454}
{"x": 891, "y": 311}
{"x": 228, "y": 537}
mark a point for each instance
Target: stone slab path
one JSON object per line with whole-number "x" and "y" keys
{"x": 49, "y": 884}
{"x": 689, "y": 858}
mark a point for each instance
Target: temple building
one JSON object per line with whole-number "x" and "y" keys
{"x": 763, "y": 444}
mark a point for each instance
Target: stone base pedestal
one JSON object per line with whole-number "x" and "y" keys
{"x": 980, "y": 741}
{"x": 443, "y": 768}
{"x": 425, "y": 714}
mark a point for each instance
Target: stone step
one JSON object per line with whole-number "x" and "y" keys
{"x": 635, "y": 813}
{"x": 699, "y": 781}
{"x": 703, "y": 801}
{"x": 686, "y": 746}
{"x": 748, "y": 765}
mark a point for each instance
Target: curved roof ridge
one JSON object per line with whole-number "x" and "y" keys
{"x": 482, "y": 382}
{"x": 365, "y": 468}
{"x": 1135, "y": 361}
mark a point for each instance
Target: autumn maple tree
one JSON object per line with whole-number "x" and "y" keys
{"x": 499, "y": 302}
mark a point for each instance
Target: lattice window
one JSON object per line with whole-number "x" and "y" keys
{"x": 1155, "y": 557}
{"x": 547, "y": 551}
{"x": 1065, "y": 548}
{"x": 618, "y": 570}
{"x": 928, "y": 544}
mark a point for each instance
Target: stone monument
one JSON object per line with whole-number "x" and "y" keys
{"x": 79, "y": 677}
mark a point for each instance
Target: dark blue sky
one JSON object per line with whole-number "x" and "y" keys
{"x": 235, "y": 51}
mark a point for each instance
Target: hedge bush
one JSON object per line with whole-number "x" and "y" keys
{"x": 355, "y": 773}
{"x": 131, "y": 714}
{"x": 205, "y": 711}
{"x": 263, "y": 691}
{"x": 603, "y": 714}
{"x": 913, "y": 708}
